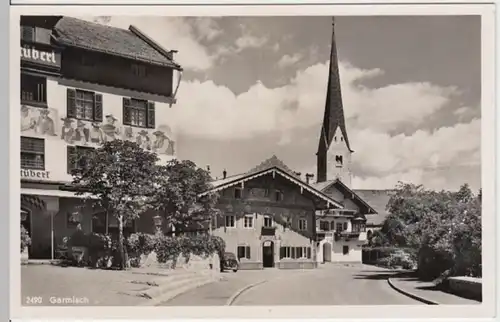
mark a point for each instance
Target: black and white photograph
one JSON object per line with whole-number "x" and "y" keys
{"x": 251, "y": 161}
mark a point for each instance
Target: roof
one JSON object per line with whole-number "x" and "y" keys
{"x": 334, "y": 111}
{"x": 130, "y": 44}
{"x": 324, "y": 185}
{"x": 378, "y": 199}
{"x": 275, "y": 166}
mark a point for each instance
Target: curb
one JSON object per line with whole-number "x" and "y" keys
{"x": 411, "y": 295}
{"x": 231, "y": 300}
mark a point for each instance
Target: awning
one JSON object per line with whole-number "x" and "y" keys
{"x": 52, "y": 193}
{"x": 32, "y": 201}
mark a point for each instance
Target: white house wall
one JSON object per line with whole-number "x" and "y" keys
{"x": 56, "y": 141}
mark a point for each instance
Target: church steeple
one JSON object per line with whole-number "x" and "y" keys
{"x": 333, "y": 127}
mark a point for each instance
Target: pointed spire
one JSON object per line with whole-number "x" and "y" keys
{"x": 334, "y": 110}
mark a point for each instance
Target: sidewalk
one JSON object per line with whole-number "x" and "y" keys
{"x": 62, "y": 286}
{"x": 427, "y": 291}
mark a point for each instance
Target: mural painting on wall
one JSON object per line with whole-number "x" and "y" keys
{"x": 87, "y": 132}
{"x": 38, "y": 121}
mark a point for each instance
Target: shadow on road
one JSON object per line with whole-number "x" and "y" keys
{"x": 378, "y": 275}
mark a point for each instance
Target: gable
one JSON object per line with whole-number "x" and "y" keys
{"x": 303, "y": 187}
{"x": 336, "y": 190}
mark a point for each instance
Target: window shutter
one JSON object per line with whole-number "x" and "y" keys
{"x": 98, "y": 107}
{"x": 309, "y": 252}
{"x": 282, "y": 252}
{"x": 247, "y": 252}
{"x": 240, "y": 252}
{"x": 71, "y": 152}
{"x": 71, "y": 102}
{"x": 151, "y": 115}
{"x": 28, "y": 33}
{"x": 293, "y": 252}
{"x": 126, "y": 111}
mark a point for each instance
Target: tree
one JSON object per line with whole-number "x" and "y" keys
{"x": 118, "y": 178}
{"x": 178, "y": 186}
{"x": 443, "y": 226}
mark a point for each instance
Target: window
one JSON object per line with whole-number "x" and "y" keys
{"x": 84, "y": 105}
{"x": 140, "y": 113}
{"x": 33, "y": 89}
{"x": 341, "y": 139}
{"x": 266, "y": 192}
{"x": 238, "y": 193}
{"x": 358, "y": 227}
{"x": 139, "y": 70}
{"x": 76, "y": 157}
{"x": 35, "y": 34}
{"x": 244, "y": 252}
{"x": 345, "y": 250}
{"x": 295, "y": 252}
{"x": 302, "y": 224}
{"x": 338, "y": 160}
{"x": 345, "y": 226}
{"x": 324, "y": 225}
{"x": 248, "y": 221}
{"x": 268, "y": 221}
{"x": 230, "y": 221}
{"x": 103, "y": 224}
{"x": 278, "y": 195}
{"x": 32, "y": 153}
{"x": 335, "y": 138}
{"x": 339, "y": 227}
{"x": 332, "y": 225}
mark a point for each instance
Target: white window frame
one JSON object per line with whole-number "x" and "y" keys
{"x": 245, "y": 252}
{"x": 269, "y": 218}
{"x": 302, "y": 222}
{"x": 304, "y": 252}
{"x": 288, "y": 252}
{"x": 251, "y": 221}
{"x": 233, "y": 221}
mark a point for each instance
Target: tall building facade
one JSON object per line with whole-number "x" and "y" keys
{"x": 83, "y": 84}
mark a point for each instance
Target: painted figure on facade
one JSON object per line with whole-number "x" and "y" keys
{"x": 95, "y": 133}
{"x": 128, "y": 133}
{"x": 37, "y": 120}
{"x": 164, "y": 143}
{"x": 143, "y": 140}
{"x": 67, "y": 130}
{"x": 45, "y": 124}
{"x": 81, "y": 133}
{"x": 109, "y": 129}
{"x": 27, "y": 122}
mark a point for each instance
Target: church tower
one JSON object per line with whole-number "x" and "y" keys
{"x": 334, "y": 152}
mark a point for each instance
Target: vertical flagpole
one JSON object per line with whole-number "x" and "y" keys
{"x": 52, "y": 234}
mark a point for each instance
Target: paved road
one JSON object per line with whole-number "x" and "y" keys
{"x": 328, "y": 285}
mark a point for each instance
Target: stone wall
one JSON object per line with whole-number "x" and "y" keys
{"x": 469, "y": 287}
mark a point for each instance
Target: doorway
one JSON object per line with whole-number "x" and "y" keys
{"x": 327, "y": 252}
{"x": 268, "y": 254}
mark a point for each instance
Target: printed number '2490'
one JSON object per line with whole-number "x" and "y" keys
{"x": 34, "y": 300}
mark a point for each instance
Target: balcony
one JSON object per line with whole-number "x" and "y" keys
{"x": 268, "y": 231}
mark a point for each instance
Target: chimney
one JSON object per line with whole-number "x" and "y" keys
{"x": 309, "y": 176}
{"x": 224, "y": 174}
{"x": 208, "y": 168}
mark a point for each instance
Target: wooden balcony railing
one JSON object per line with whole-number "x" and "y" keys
{"x": 268, "y": 231}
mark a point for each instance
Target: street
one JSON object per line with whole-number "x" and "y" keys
{"x": 328, "y": 285}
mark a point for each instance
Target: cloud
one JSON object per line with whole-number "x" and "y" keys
{"x": 288, "y": 60}
{"x": 433, "y": 157}
{"x": 173, "y": 33}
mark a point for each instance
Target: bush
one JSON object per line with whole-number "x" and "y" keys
{"x": 25, "y": 238}
{"x": 398, "y": 258}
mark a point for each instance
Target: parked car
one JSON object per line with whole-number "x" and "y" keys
{"x": 230, "y": 262}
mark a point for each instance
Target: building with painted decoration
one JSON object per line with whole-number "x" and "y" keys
{"x": 83, "y": 84}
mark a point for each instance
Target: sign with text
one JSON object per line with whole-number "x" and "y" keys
{"x": 43, "y": 57}
{"x": 35, "y": 174}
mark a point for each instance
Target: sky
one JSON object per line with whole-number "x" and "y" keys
{"x": 256, "y": 86}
